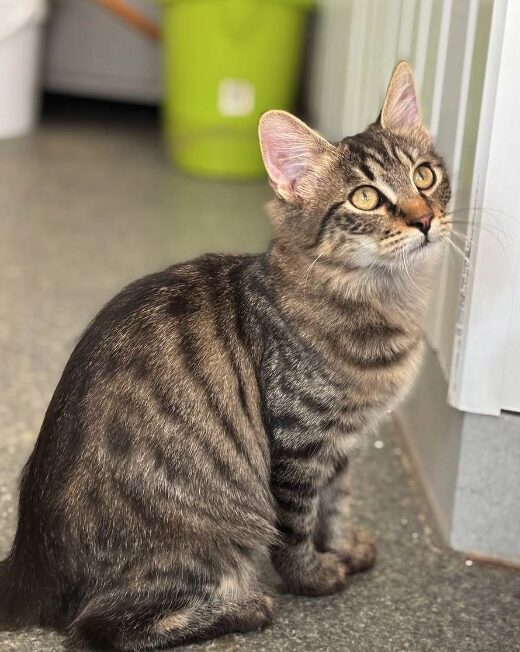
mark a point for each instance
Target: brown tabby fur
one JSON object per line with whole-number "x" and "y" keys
{"x": 209, "y": 410}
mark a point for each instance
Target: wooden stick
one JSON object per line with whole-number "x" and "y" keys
{"x": 132, "y": 16}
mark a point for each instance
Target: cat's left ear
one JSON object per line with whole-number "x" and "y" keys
{"x": 400, "y": 110}
{"x": 292, "y": 152}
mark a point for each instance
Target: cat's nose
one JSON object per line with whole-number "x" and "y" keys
{"x": 417, "y": 212}
{"x": 423, "y": 222}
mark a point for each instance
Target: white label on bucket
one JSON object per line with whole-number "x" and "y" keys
{"x": 236, "y": 97}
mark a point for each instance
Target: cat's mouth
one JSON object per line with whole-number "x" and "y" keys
{"x": 425, "y": 243}
{"x": 433, "y": 237}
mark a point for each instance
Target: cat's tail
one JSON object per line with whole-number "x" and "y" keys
{"x": 10, "y": 614}
{"x": 18, "y": 595}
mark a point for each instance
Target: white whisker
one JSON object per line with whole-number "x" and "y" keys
{"x": 307, "y": 272}
{"x": 456, "y": 249}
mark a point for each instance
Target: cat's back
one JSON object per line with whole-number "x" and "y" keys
{"x": 138, "y": 330}
{"x": 167, "y": 300}
{"x": 163, "y": 368}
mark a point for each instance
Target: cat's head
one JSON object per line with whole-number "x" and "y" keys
{"x": 375, "y": 200}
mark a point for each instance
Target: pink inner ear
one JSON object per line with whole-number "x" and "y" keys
{"x": 284, "y": 160}
{"x": 406, "y": 110}
{"x": 288, "y": 149}
{"x": 401, "y": 109}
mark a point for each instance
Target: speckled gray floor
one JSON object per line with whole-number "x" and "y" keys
{"x": 87, "y": 204}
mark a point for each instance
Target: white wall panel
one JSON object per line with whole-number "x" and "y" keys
{"x": 484, "y": 350}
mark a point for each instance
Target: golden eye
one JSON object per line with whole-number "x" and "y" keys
{"x": 424, "y": 177}
{"x": 365, "y": 198}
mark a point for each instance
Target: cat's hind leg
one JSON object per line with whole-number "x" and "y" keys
{"x": 157, "y": 618}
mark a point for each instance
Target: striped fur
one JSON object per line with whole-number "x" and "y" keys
{"x": 209, "y": 411}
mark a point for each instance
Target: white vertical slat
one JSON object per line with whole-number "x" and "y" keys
{"x": 415, "y": 28}
{"x": 390, "y": 44}
{"x": 328, "y": 83}
{"x": 430, "y": 61}
{"x": 371, "y": 64}
{"x": 406, "y": 29}
{"x": 352, "y": 116}
{"x": 453, "y": 106}
{"x": 422, "y": 41}
{"x": 339, "y": 54}
{"x": 487, "y": 297}
{"x": 329, "y": 75}
{"x": 442, "y": 54}
{"x": 434, "y": 317}
{"x": 450, "y": 97}
{"x": 464, "y": 86}
{"x": 455, "y": 269}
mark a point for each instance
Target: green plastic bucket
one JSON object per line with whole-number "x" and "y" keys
{"x": 226, "y": 62}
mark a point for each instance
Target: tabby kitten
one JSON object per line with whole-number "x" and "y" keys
{"x": 208, "y": 411}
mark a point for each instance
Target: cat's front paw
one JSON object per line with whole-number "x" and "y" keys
{"x": 359, "y": 551}
{"x": 326, "y": 575}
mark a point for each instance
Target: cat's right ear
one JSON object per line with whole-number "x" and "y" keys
{"x": 401, "y": 109}
{"x": 291, "y": 151}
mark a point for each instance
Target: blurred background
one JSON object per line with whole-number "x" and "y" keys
{"x": 128, "y": 142}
